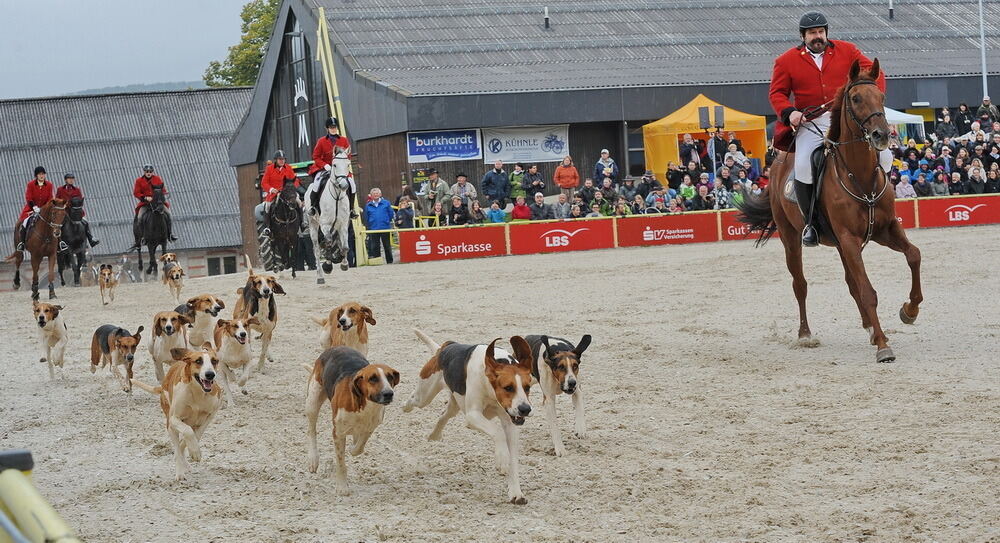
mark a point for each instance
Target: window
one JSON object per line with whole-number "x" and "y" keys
{"x": 213, "y": 266}
{"x": 219, "y": 265}
{"x": 636, "y": 151}
{"x": 229, "y": 264}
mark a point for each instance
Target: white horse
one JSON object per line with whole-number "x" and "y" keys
{"x": 334, "y": 217}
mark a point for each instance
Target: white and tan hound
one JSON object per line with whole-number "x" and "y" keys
{"x": 232, "y": 345}
{"x": 190, "y": 398}
{"x": 259, "y": 290}
{"x": 173, "y": 275}
{"x": 170, "y": 331}
{"x": 346, "y": 325}
{"x": 555, "y": 366}
{"x": 203, "y": 312}
{"x": 358, "y": 392}
{"x": 107, "y": 281}
{"x": 115, "y": 346}
{"x": 484, "y": 383}
{"x": 53, "y": 333}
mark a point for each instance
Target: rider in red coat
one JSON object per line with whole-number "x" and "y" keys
{"x": 812, "y": 72}
{"x": 70, "y": 192}
{"x": 323, "y": 154}
{"x": 143, "y": 191}
{"x": 37, "y": 194}
{"x": 275, "y": 176}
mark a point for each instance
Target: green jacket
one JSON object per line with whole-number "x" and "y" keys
{"x": 516, "y": 180}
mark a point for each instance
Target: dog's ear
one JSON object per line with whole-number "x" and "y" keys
{"x": 162, "y": 257}
{"x": 239, "y": 291}
{"x": 221, "y": 323}
{"x": 393, "y": 378}
{"x": 157, "y": 328}
{"x": 253, "y": 321}
{"x": 522, "y": 351}
{"x": 178, "y": 353}
{"x": 491, "y": 361}
{"x": 549, "y": 353}
{"x": 357, "y": 395}
{"x": 184, "y": 319}
{"x": 276, "y": 287}
{"x": 182, "y": 272}
{"x": 190, "y": 304}
{"x": 221, "y": 303}
{"x": 582, "y": 346}
{"x": 58, "y": 308}
{"x": 367, "y": 312}
{"x": 138, "y": 333}
{"x": 34, "y": 304}
{"x": 207, "y": 346}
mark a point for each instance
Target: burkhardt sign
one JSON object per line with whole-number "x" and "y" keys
{"x": 443, "y": 146}
{"x": 528, "y": 144}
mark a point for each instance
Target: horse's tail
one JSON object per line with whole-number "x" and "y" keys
{"x": 11, "y": 257}
{"x": 756, "y": 212}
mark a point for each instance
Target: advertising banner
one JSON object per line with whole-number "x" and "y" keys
{"x": 527, "y": 144}
{"x": 550, "y": 237}
{"x": 667, "y": 229}
{"x": 959, "y": 211}
{"x": 451, "y": 243}
{"x": 906, "y": 213}
{"x": 443, "y": 146}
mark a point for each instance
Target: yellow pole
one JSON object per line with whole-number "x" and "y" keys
{"x": 36, "y": 519}
{"x": 325, "y": 56}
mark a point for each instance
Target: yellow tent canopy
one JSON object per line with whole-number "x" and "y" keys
{"x": 661, "y": 138}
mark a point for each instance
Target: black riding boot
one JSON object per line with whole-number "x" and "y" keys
{"x": 352, "y": 200}
{"x": 805, "y": 194}
{"x": 22, "y": 235}
{"x": 170, "y": 228}
{"x": 315, "y": 195}
{"x": 137, "y": 246}
{"x": 90, "y": 237}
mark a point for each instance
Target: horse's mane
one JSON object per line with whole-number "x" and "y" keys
{"x": 837, "y": 107}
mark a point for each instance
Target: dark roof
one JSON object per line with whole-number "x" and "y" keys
{"x": 435, "y": 47}
{"x": 105, "y": 139}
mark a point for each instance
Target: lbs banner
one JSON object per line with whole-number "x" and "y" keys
{"x": 527, "y": 144}
{"x": 443, "y": 146}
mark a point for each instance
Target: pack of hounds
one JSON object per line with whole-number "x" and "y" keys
{"x": 199, "y": 358}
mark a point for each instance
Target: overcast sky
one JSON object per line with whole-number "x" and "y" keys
{"x": 53, "y": 47}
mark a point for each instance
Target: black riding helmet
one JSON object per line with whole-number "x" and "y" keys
{"x": 147, "y": 167}
{"x": 332, "y": 122}
{"x": 39, "y": 170}
{"x": 69, "y": 176}
{"x": 813, "y": 19}
{"x": 279, "y": 154}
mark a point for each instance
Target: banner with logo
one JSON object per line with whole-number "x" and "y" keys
{"x": 551, "y": 237}
{"x": 527, "y": 144}
{"x": 451, "y": 243}
{"x": 443, "y": 146}
{"x": 658, "y": 229}
{"x": 906, "y": 213}
{"x": 952, "y": 211}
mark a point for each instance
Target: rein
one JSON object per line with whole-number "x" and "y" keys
{"x": 286, "y": 204}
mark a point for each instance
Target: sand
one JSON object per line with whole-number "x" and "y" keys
{"x": 705, "y": 422}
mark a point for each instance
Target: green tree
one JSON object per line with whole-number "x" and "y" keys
{"x": 243, "y": 62}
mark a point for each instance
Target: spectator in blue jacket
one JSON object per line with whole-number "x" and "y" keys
{"x": 378, "y": 216}
{"x": 495, "y": 214}
{"x": 496, "y": 184}
{"x": 606, "y": 162}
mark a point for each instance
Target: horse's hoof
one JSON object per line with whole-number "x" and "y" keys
{"x": 884, "y": 355}
{"x": 327, "y": 267}
{"x": 808, "y": 342}
{"x": 344, "y": 267}
{"x": 320, "y": 281}
{"x": 52, "y": 295}
{"x": 904, "y": 317}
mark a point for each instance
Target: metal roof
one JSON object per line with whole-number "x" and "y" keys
{"x": 105, "y": 139}
{"x": 438, "y": 47}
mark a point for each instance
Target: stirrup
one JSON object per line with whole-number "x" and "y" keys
{"x": 20, "y": 246}
{"x": 266, "y": 232}
{"x": 809, "y": 236}
{"x": 313, "y": 211}
{"x": 63, "y": 247}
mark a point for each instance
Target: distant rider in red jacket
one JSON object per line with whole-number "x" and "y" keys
{"x": 37, "y": 194}
{"x": 143, "y": 191}
{"x": 275, "y": 175}
{"x": 326, "y": 148}
{"x": 73, "y": 196}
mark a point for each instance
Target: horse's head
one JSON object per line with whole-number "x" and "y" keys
{"x": 341, "y": 164}
{"x": 864, "y": 105}
{"x": 55, "y": 211}
{"x": 157, "y": 204}
{"x": 76, "y": 209}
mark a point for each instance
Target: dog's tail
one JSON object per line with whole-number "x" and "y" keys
{"x": 321, "y": 322}
{"x": 427, "y": 340}
{"x": 155, "y": 391}
{"x": 308, "y": 367}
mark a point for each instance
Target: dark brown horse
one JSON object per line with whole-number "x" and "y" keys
{"x": 856, "y": 205}
{"x": 284, "y": 220}
{"x": 42, "y": 242}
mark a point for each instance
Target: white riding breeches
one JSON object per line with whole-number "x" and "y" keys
{"x": 314, "y": 186}
{"x": 806, "y": 140}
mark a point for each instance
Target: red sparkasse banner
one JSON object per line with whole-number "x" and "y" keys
{"x": 447, "y": 244}
{"x": 549, "y": 237}
{"x": 733, "y": 229}
{"x": 959, "y": 211}
{"x": 906, "y": 213}
{"x": 655, "y": 229}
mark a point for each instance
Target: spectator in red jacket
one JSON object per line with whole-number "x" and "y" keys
{"x": 72, "y": 195}
{"x": 521, "y": 211}
{"x": 143, "y": 191}
{"x": 276, "y": 174}
{"x": 566, "y": 177}
{"x": 324, "y": 152}
{"x": 37, "y": 194}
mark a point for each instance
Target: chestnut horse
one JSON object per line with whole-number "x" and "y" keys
{"x": 42, "y": 242}
{"x": 856, "y": 202}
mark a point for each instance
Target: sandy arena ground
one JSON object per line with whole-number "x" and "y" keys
{"x": 705, "y": 423}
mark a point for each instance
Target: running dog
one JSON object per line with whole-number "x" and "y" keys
{"x": 485, "y": 383}
{"x": 203, "y": 312}
{"x": 258, "y": 289}
{"x": 170, "y": 331}
{"x": 115, "y": 346}
{"x": 232, "y": 345}
{"x": 173, "y": 276}
{"x": 555, "y": 365}
{"x": 107, "y": 280}
{"x": 358, "y": 392}
{"x": 53, "y": 333}
{"x": 190, "y": 398}
{"x": 346, "y": 325}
